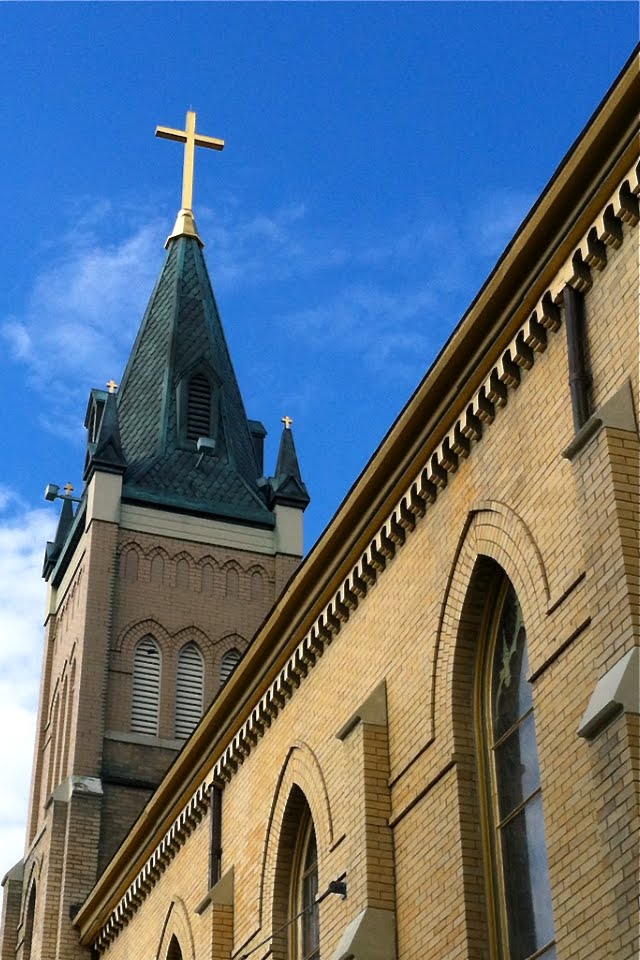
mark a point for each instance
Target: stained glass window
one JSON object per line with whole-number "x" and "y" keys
{"x": 521, "y": 867}
{"x": 306, "y": 944}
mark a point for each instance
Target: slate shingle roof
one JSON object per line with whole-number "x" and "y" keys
{"x": 181, "y": 331}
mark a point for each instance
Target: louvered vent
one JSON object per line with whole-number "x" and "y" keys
{"x": 228, "y": 664}
{"x": 189, "y": 690}
{"x": 199, "y": 408}
{"x": 145, "y": 700}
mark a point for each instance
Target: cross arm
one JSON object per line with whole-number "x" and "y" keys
{"x": 168, "y": 133}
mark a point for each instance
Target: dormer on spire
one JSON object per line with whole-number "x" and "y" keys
{"x": 185, "y": 225}
{"x": 105, "y": 450}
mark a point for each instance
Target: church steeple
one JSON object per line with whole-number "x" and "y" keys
{"x": 185, "y": 436}
{"x": 179, "y": 386}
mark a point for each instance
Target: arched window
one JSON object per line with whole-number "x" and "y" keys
{"x": 174, "y": 952}
{"x": 145, "y": 697}
{"x": 130, "y": 565}
{"x": 517, "y": 842}
{"x": 189, "y": 690}
{"x": 28, "y": 923}
{"x": 228, "y": 665}
{"x": 305, "y": 933}
{"x": 198, "y": 407}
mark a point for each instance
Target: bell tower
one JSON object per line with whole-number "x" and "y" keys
{"x": 159, "y": 574}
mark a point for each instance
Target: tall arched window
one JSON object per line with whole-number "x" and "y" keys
{"x": 305, "y": 932}
{"x": 28, "y": 923}
{"x": 145, "y": 696}
{"x": 189, "y": 690}
{"x": 514, "y": 799}
{"x": 228, "y": 665}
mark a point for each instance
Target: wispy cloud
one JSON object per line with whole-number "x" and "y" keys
{"x": 23, "y": 532}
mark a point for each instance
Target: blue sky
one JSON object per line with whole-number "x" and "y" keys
{"x": 378, "y": 158}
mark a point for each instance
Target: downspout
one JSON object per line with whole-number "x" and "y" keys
{"x": 579, "y": 379}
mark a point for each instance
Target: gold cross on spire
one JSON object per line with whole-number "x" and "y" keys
{"x": 112, "y": 386}
{"x": 287, "y": 422}
{"x": 191, "y": 140}
{"x": 68, "y": 489}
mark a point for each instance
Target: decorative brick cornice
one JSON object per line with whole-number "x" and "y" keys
{"x": 442, "y": 463}
{"x": 174, "y": 838}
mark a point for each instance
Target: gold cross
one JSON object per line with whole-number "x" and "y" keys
{"x": 191, "y": 140}
{"x": 112, "y": 386}
{"x": 287, "y": 422}
{"x": 68, "y": 489}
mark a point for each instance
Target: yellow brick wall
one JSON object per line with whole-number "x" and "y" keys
{"x": 564, "y": 532}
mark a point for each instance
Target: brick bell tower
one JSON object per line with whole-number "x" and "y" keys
{"x": 159, "y": 574}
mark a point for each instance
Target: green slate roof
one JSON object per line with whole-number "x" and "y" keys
{"x": 181, "y": 333}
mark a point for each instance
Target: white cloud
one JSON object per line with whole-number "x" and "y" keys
{"x": 23, "y": 533}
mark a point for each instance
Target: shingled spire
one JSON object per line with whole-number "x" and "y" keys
{"x": 287, "y": 486}
{"x": 180, "y": 386}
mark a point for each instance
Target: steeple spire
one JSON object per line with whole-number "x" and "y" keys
{"x": 185, "y": 225}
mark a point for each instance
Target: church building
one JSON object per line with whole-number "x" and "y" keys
{"x": 421, "y": 741}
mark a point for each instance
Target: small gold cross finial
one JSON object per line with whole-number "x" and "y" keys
{"x": 112, "y": 386}
{"x": 287, "y": 422}
{"x": 191, "y": 140}
{"x": 68, "y": 489}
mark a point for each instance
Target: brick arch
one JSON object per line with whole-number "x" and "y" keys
{"x": 125, "y": 551}
{"x": 155, "y": 554}
{"x": 33, "y": 879}
{"x": 201, "y": 580}
{"x": 192, "y": 634}
{"x": 494, "y": 532}
{"x": 257, "y": 570}
{"x": 176, "y": 924}
{"x": 232, "y": 577}
{"x": 129, "y": 636}
{"x": 178, "y": 562}
{"x": 300, "y": 781}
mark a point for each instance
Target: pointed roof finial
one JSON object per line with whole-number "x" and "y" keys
{"x": 185, "y": 224}
{"x": 287, "y": 422}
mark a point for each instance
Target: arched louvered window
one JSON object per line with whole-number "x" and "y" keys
{"x": 145, "y": 698}
{"x": 520, "y": 866}
{"x": 198, "y": 407}
{"x": 228, "y": 665}
{"x": 189, "y": 690}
